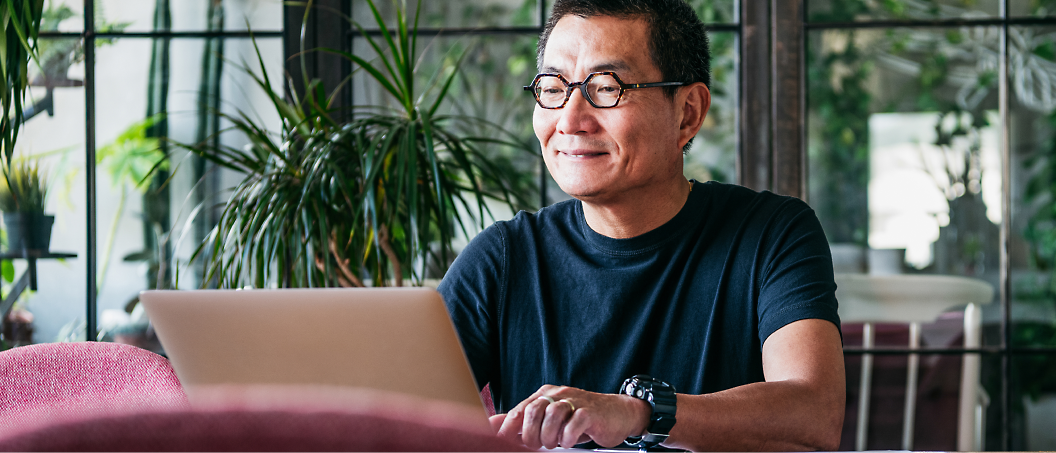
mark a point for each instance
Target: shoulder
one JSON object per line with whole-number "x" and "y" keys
{"x": 761, "y": 209}
{"x": 740, "y": 196}
{"x": 501, "y": 235}
{"x": 556, "y": 215}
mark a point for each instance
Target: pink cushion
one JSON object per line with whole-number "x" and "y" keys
{"x": 68, "y": 374}
{"x": 489, "y": 402}
{"x": 270, "y": 418}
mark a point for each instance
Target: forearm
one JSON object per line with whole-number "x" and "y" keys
{"x": 765, "y": 416}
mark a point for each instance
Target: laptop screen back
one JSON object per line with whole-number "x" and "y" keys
{"x": 392, "y": 339}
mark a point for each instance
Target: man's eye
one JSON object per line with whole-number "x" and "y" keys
{"x": 551, "y": 90}
{"x": 608, "y": 89}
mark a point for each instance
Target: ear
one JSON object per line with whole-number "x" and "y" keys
{"x": 695, "y": 100}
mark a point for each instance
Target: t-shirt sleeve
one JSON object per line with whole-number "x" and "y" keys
{"x": 797, "y": 279}
{"x": 472, "y": 290}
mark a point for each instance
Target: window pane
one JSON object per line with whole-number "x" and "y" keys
{"x": 141, "y": 228}
{"x": 187, "y": 15}
{"x": 1032, "y": 8}
{"x": 1033, "y": 140}
{"x": 715, "y": 11}
{"x": 1033, "y": 401}
{"x": 865, "y": 10}
{"x": 714, "y": 152}
{"x": 454, "y": 13}
{"x": 53, "y": 138}
{"x": 904, "y": 161}
{"x": 63, "y": 16}
{"x": 505, "y": 13}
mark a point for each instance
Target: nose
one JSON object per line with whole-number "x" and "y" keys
{"x": 578, "y": 116}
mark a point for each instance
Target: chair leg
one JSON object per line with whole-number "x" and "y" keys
{"x": 868, "y": 339}
{"x": 969, "y": 398}
{"x": 912, "y": 371}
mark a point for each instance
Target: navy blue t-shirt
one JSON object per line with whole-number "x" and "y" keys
{"x": 544, "y": 299}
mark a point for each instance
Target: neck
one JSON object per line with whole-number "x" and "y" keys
{"x": 646, "y": 210}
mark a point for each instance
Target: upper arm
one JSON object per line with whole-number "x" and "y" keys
{"x": 471, "y": 289}
{"x": 797, "y": 281}
{"x": 810, "y": 352}
{"x": 805, "y": 349}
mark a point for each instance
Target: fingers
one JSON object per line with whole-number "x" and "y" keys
{"x": 514, "y": 419}
{"x": 538, "y": 420}
{"x": 534, "y": 415}
{"x": 557, "y": 416}
{"x": 496, "y": 421}
{"x": 574, "y": 431}
{"x": 565, "y": 416}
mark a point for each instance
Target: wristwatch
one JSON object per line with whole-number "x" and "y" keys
{"x": 661, "y": 397}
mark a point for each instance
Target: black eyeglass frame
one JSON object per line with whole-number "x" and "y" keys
{"x": 570, "y": 87}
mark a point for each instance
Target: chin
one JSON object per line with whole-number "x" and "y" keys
{"x": 582, "y": 193}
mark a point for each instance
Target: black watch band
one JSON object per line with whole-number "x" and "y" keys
{"x": 661, "y": 398}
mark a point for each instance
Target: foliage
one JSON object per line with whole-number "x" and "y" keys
{"x": 1040, "y": 193}
{"x": 1035, "y": 373}
{"x": 19, "y": 27}
{"x": 23, "y": 188}
{"x": 131, "y": 159}
{"x": 325, "y": 203}
{"x": 57, "y": 55}
{"x": 132, "y": 156}
{"x": 840, "y": 161}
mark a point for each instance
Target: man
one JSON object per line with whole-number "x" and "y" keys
{"x": 720, "y": 292}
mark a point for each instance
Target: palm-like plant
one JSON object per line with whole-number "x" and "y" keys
{"x": 19, "y": 27}
{"x": 23, "y": 189}
{"x": 356, "y": 203}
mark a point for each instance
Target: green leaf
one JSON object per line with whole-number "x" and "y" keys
{"x": 7, "y": 271}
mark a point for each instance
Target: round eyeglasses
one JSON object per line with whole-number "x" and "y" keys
{"x": 602, "y": 90}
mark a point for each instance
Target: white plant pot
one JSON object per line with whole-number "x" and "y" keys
{"x": 1040, "y": 416}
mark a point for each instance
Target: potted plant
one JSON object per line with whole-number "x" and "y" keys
{"x": 23, "y": 191}
{"x": 368, "y": 201}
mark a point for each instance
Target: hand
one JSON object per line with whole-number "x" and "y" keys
{"x": 574, "y": 416}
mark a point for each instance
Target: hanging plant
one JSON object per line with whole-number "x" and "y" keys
{"x": 19, "y": 27}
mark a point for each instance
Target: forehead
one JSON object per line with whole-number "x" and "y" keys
{"x": 578, "y": 46}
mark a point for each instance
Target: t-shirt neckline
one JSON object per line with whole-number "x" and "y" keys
{"x": 689, "y": 215}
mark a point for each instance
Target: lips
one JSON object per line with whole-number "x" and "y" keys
{"x": 582, "y": 154}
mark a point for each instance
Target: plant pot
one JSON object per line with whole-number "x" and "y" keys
{"x": 1039, "y": 415}
{"x": 28, "y": 231}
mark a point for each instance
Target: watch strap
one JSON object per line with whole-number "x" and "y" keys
{"x": 662, "y": 400}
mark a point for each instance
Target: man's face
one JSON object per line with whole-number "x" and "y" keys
{"x": 599, "y": 155}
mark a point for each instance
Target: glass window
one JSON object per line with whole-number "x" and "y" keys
{"x": 864, "y": 10}
{"x": 455, "y": 13}
{"x": 143, "y": 222}
{"x": 56, "y": 309}
{"x": 1033, "y": 135}
{"x": 186, "y": 15}
{"x": 713, "y": 156}
{"x": 1032, "y": 8}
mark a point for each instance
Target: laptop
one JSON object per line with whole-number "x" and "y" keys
{"x": 391, "y": 339}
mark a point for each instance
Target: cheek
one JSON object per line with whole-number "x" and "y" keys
{"x": 543, "y": 125}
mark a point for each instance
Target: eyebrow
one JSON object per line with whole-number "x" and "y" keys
{"x": 608, "y": 66}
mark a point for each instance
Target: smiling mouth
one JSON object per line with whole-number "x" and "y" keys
{"x": 583, "y": 155}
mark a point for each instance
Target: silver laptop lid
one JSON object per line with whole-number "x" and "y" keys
{"x": 391, "y": 339}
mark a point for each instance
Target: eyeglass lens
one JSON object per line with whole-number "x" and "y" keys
{"x": 602, "y": 89}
